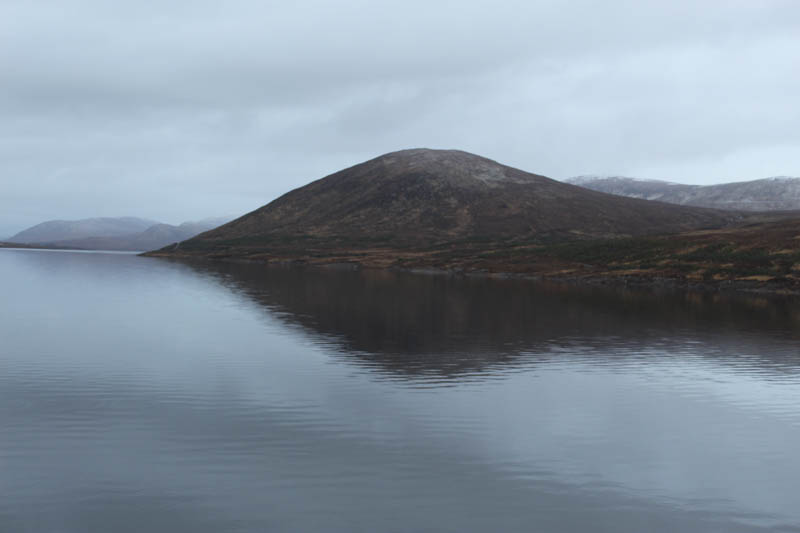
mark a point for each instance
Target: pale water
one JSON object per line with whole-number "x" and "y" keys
{"x": 144, "y": 395}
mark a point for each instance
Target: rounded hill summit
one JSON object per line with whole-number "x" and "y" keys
{"x": 422, "y": 198}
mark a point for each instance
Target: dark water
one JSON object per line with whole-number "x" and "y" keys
{"x": 143, "y": 395}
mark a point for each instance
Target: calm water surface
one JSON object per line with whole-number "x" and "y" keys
{"x": 144, "y": 395}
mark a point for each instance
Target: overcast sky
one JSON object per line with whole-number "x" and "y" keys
{"x": 187, "y": 109}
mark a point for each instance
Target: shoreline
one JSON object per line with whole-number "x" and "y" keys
{"x": 761, "y": 257}
{"x": 638, "y": 281}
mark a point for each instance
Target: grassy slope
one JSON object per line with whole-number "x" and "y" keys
{"x": 418, "y": 198}
{"x": 764, "y": 253}
{"x": 455, "y": 211}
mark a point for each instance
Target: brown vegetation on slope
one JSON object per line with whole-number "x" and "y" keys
{"x": 422, "y": 198}
{"x": 453, "y": 211}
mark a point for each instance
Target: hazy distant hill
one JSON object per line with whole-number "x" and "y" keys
{"x": 156, "y": 236}
{"x": 61, "y": 230}
{"x": 770, "y": 194}
{"x": 424, "y": 198}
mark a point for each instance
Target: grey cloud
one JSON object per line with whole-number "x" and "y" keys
{"x": 182, "y": 110}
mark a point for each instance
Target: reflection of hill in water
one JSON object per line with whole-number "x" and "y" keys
{"x": 441, "y": 326}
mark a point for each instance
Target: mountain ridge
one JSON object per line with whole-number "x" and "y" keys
{"x": 155, "y": 235}
{"x": 777, "y": 193}
{"x": 60, "y": 230}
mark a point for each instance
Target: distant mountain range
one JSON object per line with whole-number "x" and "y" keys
{"x": 780, "y": 193}
{"x": 123, "y": 233}
{"x": 63, "y": 230}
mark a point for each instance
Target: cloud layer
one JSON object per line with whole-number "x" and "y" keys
{"x": 188, "y": 109}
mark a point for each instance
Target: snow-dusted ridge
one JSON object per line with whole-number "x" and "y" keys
{"x": 777, "y": 193}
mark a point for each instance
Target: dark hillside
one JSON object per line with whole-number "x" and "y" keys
{"x": 422, "y": 198}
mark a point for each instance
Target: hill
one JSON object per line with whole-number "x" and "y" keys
{"x": 153, "y": 236}
{"x": 62, "y": 230}
{"x": 421, "y": 199}
{"x": 770, "y": 194}
{"x": 156, "y": 236}
{"x": 5, "y": 244}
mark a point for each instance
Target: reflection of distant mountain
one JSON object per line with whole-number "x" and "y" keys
{"x": 448, "y": 327}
